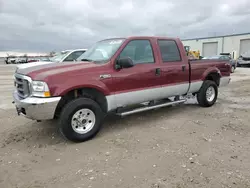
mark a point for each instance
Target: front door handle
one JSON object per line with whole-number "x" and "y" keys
{"x": 157, "y": 71}
{"x": 183, "y": 67}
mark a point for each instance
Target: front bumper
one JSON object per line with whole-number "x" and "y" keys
{"x": 36, "y": 108}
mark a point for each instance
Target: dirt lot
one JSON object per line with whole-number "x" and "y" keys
{"x": 181, "y": 147}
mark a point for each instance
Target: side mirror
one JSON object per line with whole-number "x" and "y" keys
{"x": 125, "y": 62}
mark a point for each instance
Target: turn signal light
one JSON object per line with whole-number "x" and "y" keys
{"x": 46, "y": 94}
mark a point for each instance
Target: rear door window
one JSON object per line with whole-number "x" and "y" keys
{"x": 169, "y": 50}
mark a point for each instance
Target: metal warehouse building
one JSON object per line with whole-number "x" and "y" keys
{"x": 237, "y": 43}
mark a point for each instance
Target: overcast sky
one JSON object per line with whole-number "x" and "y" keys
{"x": 46, "y": 25}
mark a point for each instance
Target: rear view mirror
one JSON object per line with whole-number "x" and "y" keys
{"x": 125, "y": 62}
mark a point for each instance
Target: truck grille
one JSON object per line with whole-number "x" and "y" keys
{"x": 22, "y": 86}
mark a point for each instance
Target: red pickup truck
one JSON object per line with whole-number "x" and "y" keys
{"x": 114, "y": 76}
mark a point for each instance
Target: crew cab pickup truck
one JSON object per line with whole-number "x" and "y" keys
{"x": 119, "y": 75}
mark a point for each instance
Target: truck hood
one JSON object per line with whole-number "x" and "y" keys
{"x": 27, "y": 65}
{"x": 40, "y": 72}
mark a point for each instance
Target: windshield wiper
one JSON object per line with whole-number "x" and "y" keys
{"x": 86, "y": 60}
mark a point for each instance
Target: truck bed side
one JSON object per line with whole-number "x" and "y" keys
{"x": 201, "y": 69}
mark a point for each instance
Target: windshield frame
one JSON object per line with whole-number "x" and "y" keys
{"x": 117, "y": 43}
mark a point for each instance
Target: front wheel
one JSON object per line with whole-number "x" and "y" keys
{"x": 208, "y": 93}
{"x": 81, "y": 119}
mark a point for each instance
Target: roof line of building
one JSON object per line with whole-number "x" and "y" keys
{"x": 219, "y": 36}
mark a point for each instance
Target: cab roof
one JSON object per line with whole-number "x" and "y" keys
{"x": 141, "y": 37}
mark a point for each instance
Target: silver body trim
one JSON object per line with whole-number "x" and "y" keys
{"x": 140, "y": 96}
{"x": 144, "y": 95}
{"x": 36, "y": 108}
{"x": 195, "y": 86}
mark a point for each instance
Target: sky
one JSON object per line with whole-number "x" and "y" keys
{"x": 52, "y": 25}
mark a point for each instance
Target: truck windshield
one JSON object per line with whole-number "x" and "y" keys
{"x": 102, "y": 51}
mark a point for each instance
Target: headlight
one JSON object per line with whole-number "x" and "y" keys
{"x": 40, "y": 89}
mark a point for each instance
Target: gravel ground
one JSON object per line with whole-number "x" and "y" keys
{"x": 185, "y": 146}
{"x": 2, "y": 61}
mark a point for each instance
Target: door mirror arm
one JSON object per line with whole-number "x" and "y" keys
{"x": 117, "y": 66}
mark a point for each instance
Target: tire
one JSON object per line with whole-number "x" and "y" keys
{"x": 203, "y": 99}
{"x": 81, "y": 120}
{"x": 232, "y": 69}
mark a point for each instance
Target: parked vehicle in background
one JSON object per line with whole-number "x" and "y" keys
{"x": 244, "y": 59}
{"x": 12, "y": 60}
{"x": 224, "y": 57}
{"x": 230, "y": 57}
{"x": 19, "y": 60}
{"x": 24, "y": 59}
{"x": 31, "y": 60}
{"x": 43, "y": 58}
{"x": 67, "y": 55}
{"x": 122, "y": 76}
{"x": 37, "y": 59}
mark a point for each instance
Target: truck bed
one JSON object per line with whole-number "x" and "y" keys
{"x": 198, "y": 67}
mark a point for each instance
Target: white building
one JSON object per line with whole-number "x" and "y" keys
{"x": 237, "y": 43}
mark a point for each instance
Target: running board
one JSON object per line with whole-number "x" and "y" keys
{"x": 142, "y": 109}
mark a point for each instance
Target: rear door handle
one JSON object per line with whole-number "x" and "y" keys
{"x": 183, "y": 67}
{"x": 157, "y": 71}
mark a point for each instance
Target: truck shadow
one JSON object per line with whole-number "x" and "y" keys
{"x": 40, "y": 134}
{"x": 114, "y": 123}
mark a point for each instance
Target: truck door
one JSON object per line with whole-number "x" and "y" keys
{"x": 174, "y": 68}
{"x": 138, "y": 83}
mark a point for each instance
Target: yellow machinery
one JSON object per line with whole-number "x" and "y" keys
{"x": 192, "y": 53}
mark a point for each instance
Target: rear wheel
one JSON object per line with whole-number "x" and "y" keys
{"x": 81, "y": 119}
{"x": 208, "y": 93}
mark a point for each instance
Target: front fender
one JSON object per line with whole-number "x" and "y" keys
{"x": 62, "y": 89}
